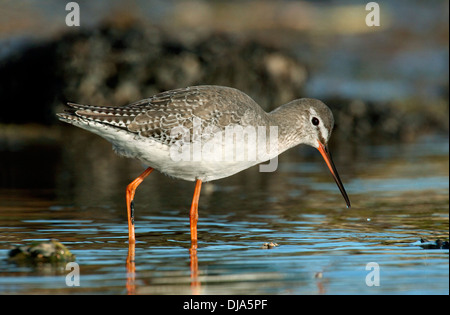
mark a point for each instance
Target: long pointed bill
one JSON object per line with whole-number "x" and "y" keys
{"x": 327, "y": 157}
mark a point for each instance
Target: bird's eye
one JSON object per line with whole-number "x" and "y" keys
{"x": 315, "y": 121}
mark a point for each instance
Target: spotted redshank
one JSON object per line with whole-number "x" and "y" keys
{"x": 157, "y": 130}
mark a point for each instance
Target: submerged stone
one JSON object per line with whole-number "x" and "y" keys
{"x": 48, "y": 251}
{"x": 438, "y": 244}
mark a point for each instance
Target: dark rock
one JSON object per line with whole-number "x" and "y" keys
{"x": 37, "y": 252}
{"x": 438, "y": 244}
{"x": 119, "y": 63}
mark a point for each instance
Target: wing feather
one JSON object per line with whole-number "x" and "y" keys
{"x": 213, "y": 106}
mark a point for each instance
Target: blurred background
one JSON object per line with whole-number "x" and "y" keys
{"x": 384, "y": 84}
{"x": 387, "y": 87}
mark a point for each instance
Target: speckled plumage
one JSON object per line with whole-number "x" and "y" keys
{"x": 142, "y": 129}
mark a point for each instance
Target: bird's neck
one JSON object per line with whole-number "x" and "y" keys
{"x": 288, "y": 122}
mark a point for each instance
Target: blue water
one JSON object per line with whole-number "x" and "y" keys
{"x": 323, "y": 247}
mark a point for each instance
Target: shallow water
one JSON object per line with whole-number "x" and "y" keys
{"x": 75, "y": 194}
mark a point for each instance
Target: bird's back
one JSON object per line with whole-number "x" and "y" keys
{"x": 155, "y": 117}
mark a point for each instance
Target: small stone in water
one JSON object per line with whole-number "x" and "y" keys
{"x": 269, "y": 245}
{"x": 50, "y": 251}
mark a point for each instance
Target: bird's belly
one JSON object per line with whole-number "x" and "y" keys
{"x": 191, "y": 162}
{"x": 205, "y": 161}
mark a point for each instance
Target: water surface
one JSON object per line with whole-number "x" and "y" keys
{"x": 399, "y": 194}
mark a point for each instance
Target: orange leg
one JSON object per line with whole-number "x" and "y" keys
{"x": 193, "y": 215}
{"x": 131, "y": 189}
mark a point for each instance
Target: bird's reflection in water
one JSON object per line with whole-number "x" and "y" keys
{"x": 195, "y": 283}
{"x": 131, "y": 269}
